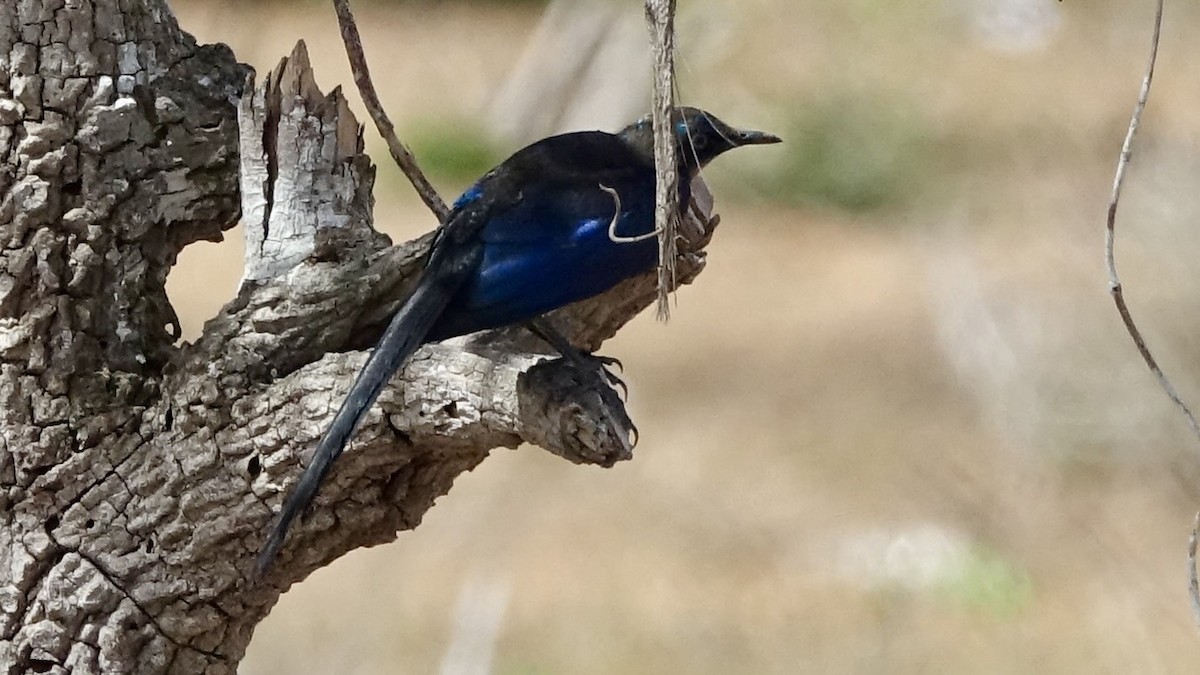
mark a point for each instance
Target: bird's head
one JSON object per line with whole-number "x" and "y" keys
{"x": 701, "y": 136}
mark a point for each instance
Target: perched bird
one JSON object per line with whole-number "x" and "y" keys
{"x": 562, "y": 220}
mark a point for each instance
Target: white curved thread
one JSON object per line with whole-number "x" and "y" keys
{"x": 612, "y": 225}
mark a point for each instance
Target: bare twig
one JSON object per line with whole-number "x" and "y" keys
{"x": 1193, "y": 581}
{"x": 1114, "y": 282}
{"x": 362, "y": 78}
{"x": 1117, "y": 292}
{"x": 660, "y": 14}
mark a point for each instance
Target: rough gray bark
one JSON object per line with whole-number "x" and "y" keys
{"x": 138, "y": 477}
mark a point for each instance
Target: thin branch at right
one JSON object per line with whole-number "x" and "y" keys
{"x": 1114, "y": 281}
{"x": 1193, "y": 580}
{"x": 1118, "y": 294}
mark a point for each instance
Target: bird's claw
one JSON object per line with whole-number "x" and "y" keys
{"x": 613, "y": 380}
{"x": 602, "y": 365}
{"x": 582, "y": 360}
{"x": 609, "y": 361}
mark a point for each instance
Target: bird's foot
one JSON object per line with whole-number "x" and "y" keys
{"x": 602, "y": 366}
{"x": 605, "y": 365}
{"x": 583, "y": 419}
{"x": 585, "y": 361}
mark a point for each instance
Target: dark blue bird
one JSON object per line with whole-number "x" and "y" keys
{"x": 563, "y": 219}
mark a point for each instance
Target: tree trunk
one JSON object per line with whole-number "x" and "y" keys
{"x": 139, "y": 475}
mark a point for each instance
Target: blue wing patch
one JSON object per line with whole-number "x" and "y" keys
{"x": 471, "y": 194}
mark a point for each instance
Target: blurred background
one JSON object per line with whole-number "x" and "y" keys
{"x": 895, "y": 427}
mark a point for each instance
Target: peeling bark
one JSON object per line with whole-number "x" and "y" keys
{"x": 138, "y": 477}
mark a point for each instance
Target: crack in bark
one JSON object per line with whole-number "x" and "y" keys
{"x": 151, "y": 618}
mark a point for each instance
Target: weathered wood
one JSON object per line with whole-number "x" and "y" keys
{"x": 119, "y": 147}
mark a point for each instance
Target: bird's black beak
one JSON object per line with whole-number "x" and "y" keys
{"x": 756, "y": 138}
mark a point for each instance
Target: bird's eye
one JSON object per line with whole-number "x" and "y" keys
{"x": 699, "y": 141}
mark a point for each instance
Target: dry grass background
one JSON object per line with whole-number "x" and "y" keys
{"x": 910, "y": 438}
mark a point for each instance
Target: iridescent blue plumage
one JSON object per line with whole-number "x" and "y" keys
{"x": 554, "y": 248}
{"x": 544, "y": 229}
{"x": 469, "y": 195}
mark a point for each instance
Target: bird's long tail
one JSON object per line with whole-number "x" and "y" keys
{"x": 403, "y": 336}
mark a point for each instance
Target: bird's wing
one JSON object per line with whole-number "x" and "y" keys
{"x": 558, "y": 245}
